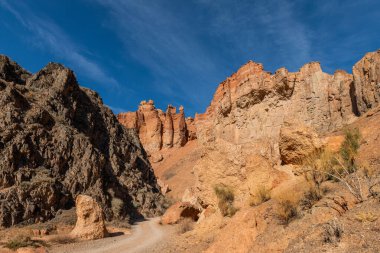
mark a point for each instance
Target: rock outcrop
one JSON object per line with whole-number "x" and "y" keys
{"x": 250, "y": 107}
{"x": 58, "y": 140}
{"x": 297, "y": 142}
{"x": 179, "y": 211}
{"x": 90, "y": 220}
{"x": 157, "y": 129}
{"x": 242, "y": 126}
{"x": 367, "y": 82}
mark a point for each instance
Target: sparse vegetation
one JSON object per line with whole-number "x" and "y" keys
{"x": 333, "y": 232}
{"x": 366, "y": 217}
{"x": 62, "y": 239}
{"x": 225, "y": 200}
{"x": 324, "y": 165}
{"x": 311, "y": 196}
{"x": 288, "y": 207}
{"x": 117, "y": 207}
{"x": 185, "y": 225}
{"x": 349, "y": 148}
{"x": 20, "y": 242}
{"x": 261, "y": 195}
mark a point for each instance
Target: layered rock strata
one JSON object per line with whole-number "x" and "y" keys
{"x": 250, "y": 106}
{"x": 240, "y": 132}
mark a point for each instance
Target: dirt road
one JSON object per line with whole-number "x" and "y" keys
{"x": 145, "y": 235}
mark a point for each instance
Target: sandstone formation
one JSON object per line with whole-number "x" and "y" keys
{"x": 367, "y": 82}
{"x": 157, "y": 129}
{"x": 90, "y": 220}
{"x": 178, "y": 211}
{"x": 58, "y": 140}
{"x": 250, "y": 106}
{"x": 242, "y": 125}
{"x": 297, "y": 142}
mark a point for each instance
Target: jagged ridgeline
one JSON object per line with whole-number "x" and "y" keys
{"x": 58, "y": 140}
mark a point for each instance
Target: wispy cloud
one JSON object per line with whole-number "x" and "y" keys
{"x": 168, "y": 46}
{"x": 49, "y": 35}
{"x": 268, "y": 30}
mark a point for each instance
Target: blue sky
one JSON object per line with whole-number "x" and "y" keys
{"x": 177, "y": 52}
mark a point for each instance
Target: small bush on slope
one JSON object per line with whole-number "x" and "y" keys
{"x": 261, "y": 195}
{"x": 288, "y": 207}
{"x": 225, "y": 200}
{"x": 333, "y": 231}
{"x": 349, "y": 148}
{"x": 22, "y": 241}
{"x": 366, "y": 217}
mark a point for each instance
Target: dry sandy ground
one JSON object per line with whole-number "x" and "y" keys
{"x": 145, "y": 236}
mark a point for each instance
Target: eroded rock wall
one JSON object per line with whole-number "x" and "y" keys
{"x": 58, "y": 140}
{"x": 157, "y": 129}
{"x": 250, "y": 107}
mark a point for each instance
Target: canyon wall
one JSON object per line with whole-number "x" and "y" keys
{"x": 250, "y": 106}
{"x": 157, "y": 129}
{"x": 240, "y": 130}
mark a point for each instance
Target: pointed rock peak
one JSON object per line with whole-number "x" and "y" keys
{"x": 311, "y": 67}
{"x": 250, "y": 67}
{"x": 171, "y": 109}
{"x": 10, "y": 71}
{"x": 54, "y": 75}
{"x": 181, "y": 109}
{"x": 340, "y": 72}
{"x": 147, "y": 105}
{"x": 281, "y": 71}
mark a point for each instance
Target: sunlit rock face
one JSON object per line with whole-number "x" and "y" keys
{"x": 251, "y": 105}
{"x": 157, "y": 129}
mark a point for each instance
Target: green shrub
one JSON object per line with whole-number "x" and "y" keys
{"x": 225, "y": 200}
{"x": 20, "y": 242}
{"x": 349, "y": 148}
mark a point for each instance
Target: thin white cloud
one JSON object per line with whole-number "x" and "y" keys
{"x": 49, "y": 35}
{"x": 266, "y": 29}
{"x": 164, "y": 43}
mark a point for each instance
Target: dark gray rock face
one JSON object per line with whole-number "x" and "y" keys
{"x": 58, "y": 140}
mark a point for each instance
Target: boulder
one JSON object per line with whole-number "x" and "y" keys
{"x": 297, "y": 141}
{"x": 90, "y": 220}
{"x": 156, "y": 158}
{"x": 179, "y": 211}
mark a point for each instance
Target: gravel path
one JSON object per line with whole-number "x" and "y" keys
{"x": 145, "y": 235}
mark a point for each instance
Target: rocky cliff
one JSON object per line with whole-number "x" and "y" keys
{"x": 250, "y": 106}
{"x": 58, "y": 140}
{"x": 240, "y": 130}
{"x": 157, "y": 129}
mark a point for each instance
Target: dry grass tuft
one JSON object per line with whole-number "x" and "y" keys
{"x": 288, "y": 207}
{"x": 261, "y": 195}
{"x": 62, "y": 239}
{"x": 22, "y": 241}
{"x": 366, "y": 217}
{"x": 226, "y": 199}
{"x": 333, "y": 232}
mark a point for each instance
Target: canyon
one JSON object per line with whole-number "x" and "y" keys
{"x": 60, "y": 141}
{"x": 256, "y": 132}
